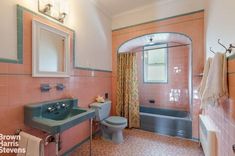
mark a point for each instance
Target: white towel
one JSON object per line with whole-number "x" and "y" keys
{"x": 202, "y": 86}
{"x": 33, "y": 145}
{"x": 216, "y": 83}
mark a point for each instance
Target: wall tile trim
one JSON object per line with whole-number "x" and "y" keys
{"x": 158, "y": 20}
{"x": 19, "y": 59}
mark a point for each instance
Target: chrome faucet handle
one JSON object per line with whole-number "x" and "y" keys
{"x": 57, "y": 106}
{"x": 63, "y": 105}
{"x": 50, "y": 109}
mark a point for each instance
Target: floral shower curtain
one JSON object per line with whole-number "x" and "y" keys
{"x": 127, "y": 89}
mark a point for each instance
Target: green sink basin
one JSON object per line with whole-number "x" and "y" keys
{"x": 56, "y": 116}
{"x": 72, "y": 113}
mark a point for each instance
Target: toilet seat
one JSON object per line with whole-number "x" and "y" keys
{"x": 116, "y": 120}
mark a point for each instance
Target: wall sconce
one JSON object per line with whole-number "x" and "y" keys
{"x": 47, "y": 8}
{"x": 62, "y": 17}
{"x": 56, "y": 9}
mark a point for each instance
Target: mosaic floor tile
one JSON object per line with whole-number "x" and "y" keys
{"x": 141, "y": 143}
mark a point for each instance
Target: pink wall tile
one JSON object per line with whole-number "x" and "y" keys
{"x": 160, "y": 92}
{"x": 223, "y": 118}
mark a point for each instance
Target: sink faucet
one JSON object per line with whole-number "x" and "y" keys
{"x": 57, "y": 106}
{"x": 63, "y": 105}
{"x": 54, "y": 107}
{"x": 51, "y": 109}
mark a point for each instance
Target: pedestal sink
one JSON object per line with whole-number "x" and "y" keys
{"x": 56, "y": 116}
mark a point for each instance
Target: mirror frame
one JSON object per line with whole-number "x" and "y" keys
{"x": 36, "y": 27}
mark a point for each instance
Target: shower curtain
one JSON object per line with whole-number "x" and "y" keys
{"x": 127, "y": 89}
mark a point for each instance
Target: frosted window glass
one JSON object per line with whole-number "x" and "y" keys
{"x": 155, "y": 64}
{"x": 156, "y": 56}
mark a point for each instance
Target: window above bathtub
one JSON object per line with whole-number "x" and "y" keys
{"x": 155, "y": 63}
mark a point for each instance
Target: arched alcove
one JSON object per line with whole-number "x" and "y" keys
{"x": 171, "y": 40}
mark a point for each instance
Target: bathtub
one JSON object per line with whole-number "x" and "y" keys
{"x": 166, "y": 121}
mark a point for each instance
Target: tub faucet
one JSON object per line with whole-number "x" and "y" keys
{"x": 174, "y": 95}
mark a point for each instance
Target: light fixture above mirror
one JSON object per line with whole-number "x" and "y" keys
{"x": 56, "y": 9}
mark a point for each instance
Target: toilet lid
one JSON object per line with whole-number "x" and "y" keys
{"x": 116, "y": 120}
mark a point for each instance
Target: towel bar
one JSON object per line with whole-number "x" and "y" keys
{"x": 46, "y": 141}
{"x": 17, "y": 132}
{"x": 227, "y": 50}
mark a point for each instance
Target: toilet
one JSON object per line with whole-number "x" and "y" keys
{"x": 111, "y": 126}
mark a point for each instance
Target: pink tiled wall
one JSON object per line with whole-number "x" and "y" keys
{"x": 224, "y": 117}
{"x": 19, "y": 88}
{"x": 226, "y": 128}
{"x": 177, "y": 57}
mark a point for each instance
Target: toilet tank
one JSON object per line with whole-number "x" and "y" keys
{"x": 102, "y": 110}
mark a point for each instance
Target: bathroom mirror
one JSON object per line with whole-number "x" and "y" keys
{"x": 51, "y": 51}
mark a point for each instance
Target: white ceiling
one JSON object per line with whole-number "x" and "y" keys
{"x": 116, "y": 7}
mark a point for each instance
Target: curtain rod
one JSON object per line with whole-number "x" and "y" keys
{"x": 156, "y": 48}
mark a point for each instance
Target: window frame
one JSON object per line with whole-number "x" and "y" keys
{"x": 144, "y": 68}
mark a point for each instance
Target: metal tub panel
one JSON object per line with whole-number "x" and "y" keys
{"x": 167, "y": 125}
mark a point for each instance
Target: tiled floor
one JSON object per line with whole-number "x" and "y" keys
{"x": 141, "y": 143}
